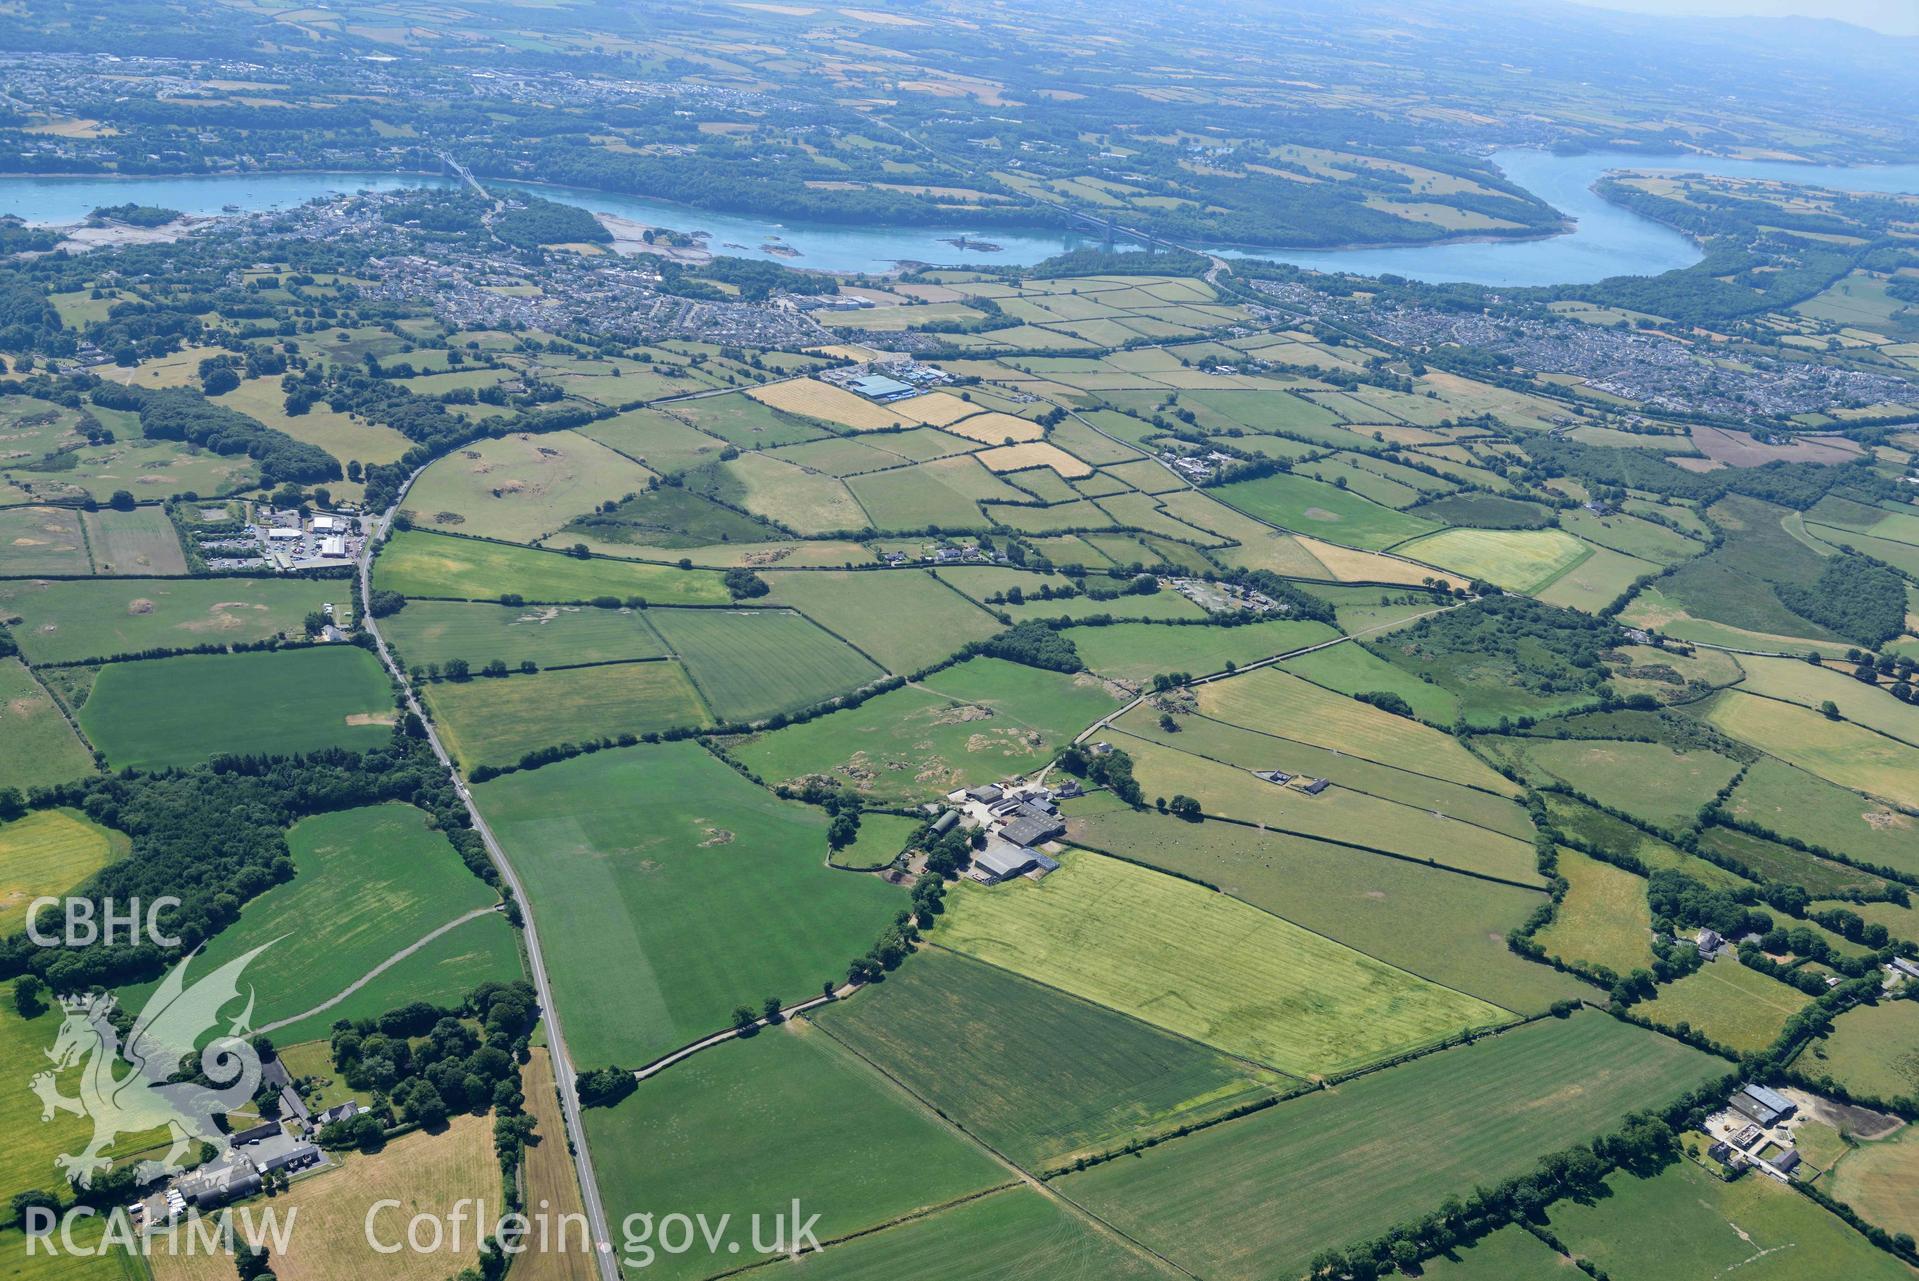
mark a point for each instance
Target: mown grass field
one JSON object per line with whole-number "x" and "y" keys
{"x": 1872, "y": 1050}
{"x": 1685, "y": 1224}
{"x": 1519, "y": 560}
{"x": 750, "y": 664}
{"x": 670, "y": 890}
{"x": 1349, "y": 1163}
{"x": 1324, "y": 511}
{"x": 905, "y": 619}
{"x": 1279, "y": 703}
{"x": 403, "y": 878}
{"x": 1794, "y": 803}
{"x": 1834, "y": 750}
{"x": 1205, "y": 966}
{"x": 17, "y": 1265}
{"x": 50, "y": 852}
{"x": 1135, "y": 652}
{"x": 38, "y": 746}
{"x": 1603, "y": 921}
{"x": 1447, "y": 928}
{"x": 420, "y": 564}
{"x": 346, "y": 438}
{"x": 1354, "y": 669}
{"x": 976, "y": 721}
{"x": 1649, "y": 781}
{"x": 430, "y": 631}
{"x": 1037, "y": 1075}
{"x": 1015, "y": 1233}
{"x": 63, "y": 622}
{"x": 141, "y": 541}
{"x": 1733, "y": 1005}
{"x": 180, "y": 711}
{"x": 749, "y": 1125}
{"x": 495, "y": 721}
{"x": 1338, "y": 813}
{"x": 979, "y": 582}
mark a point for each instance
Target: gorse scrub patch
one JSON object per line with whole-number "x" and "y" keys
{"x": 1853, "y": 596}
{"x": 1036, "y": 645}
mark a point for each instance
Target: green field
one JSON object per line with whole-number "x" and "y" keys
{"x": 670, "y": 890}
{"x": 495, "y": 721}
{"x": 1634, "y": 537}
{"x": 750, "y": 664}
{"x": 141, "y": 541}
{"x": 1339, "y": 813}
{"x": 1015, "y": 1233}
{"x": 38, "y": 746}
{"x": 1136, "y": 652}
{"x": 431, "y": 631}
{"x": 656, "y": 438}
{"x": 1873, "y": 1050}
{"x": 1875, "y": 1179}
{"x": 1035, "y": 1074}
{"x": 1206, "y": 966}
{"x": 973, "y": 722}
{"x": 1324, "y": 511}
{"x": 979, "y": 582}
{"x": 905, "y": 619}
{"x": 521, "y": 487}
{"x": 747, "y": 423}
{"x": 751, "y": 1125}
{"x": 62, "y": 622}
{"x": 1771, "y": 861}
{"x": 1285, "y": 706}
{"x": 1577, "y": 821}
{"x": 1649, "y": 781}
{"x": 1834, "y": 750}
{"x": 1603, "y": 921}
{"x": 1447, "y": 928}
{"x": 1354, "y": 669}
{"x": 1510, "y": 1254}
{"x": 483, "y": 950}
{"x": 42, "y": 540}
{"x": 1350, "y": 1163}
{"x": 1733, "y": 1005}
{"x": 1519, "y": 560}
{"x": 418, "y": 564}
{"x": 1685, "y": 1224}
{"x": 50, "y": 852}
{"x": 180, "y": 711}
{"x": 1794, "y": 803}
{"x": 1800, "y": 682}
{"x": 403, "y": 879}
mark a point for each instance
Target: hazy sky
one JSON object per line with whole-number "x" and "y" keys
{"x": 1896, "y": 17}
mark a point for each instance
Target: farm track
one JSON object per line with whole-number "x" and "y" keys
{"x": 563, "y": 1073}
{"x": 378, "y": 970}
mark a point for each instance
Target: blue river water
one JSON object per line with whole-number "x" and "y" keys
{"x": 1605, "y": 240}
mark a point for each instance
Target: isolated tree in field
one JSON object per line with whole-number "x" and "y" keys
{"x": 456, "y": 669}
{"x": 1829, "y": 710}
{"x": 30, "y": 996}
{"x": 770, "y": 1009}
{"x": 122, "y": 501}
{"x": 743, "y": 1018}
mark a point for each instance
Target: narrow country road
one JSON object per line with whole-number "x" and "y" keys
{"x": 563, "y": 1073}
{"x": 377, "y": 970}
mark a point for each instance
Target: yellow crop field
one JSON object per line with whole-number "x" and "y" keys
{"x": 938, "y": 409}
{"x": 828, "y": 403}
{"x": 1350, "y": 565}
{"x": 996, "y": 428}
{"x": 48, "y": 852}
{"x": 552, "y": 1186}
{"x": 1034, "y": 453}
{"x": 814, "y": 399}
{"x": 1519, "y": 560}
{"x": 425, "y": 1173}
